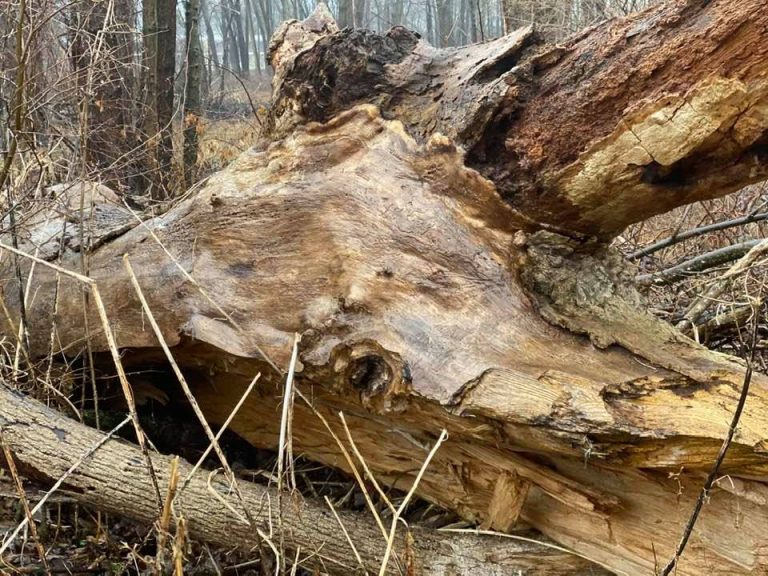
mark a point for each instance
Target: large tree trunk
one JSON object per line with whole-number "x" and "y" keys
{"x": 102, "y": 60}
{"x": 193, "y": 105}
{"x": 112, "y": 478}
{"x": 442, "y": 255}
{"x": 165, "y": 76}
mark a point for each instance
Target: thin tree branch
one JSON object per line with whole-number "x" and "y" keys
{"x": 694, "y": 232}
{"x": 715, "y": 471}
{"x": 698, "y": 264}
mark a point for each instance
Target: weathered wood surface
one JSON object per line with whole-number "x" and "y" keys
{"x": 624, "y": 121}
{"x": 113, "y": 478}
{"x": 428, "y": 297}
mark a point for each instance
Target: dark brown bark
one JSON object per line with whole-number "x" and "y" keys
{"x": 193, "y": 89}
{"x": 446, "y": 22}
{"x": 263, "y": 17}
{"x": 102, "y": 59}
{"x": 213, "y": 53}
{"x": 346, "y": 14}
{"x": 252, "y": 33}
{"x": 240, "y": 38}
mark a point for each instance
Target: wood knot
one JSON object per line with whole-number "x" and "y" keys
{"x": 379, "y": 376}
{"x": 369, "y": 374}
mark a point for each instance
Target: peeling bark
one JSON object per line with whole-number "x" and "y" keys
{"x": 629, "y": 119}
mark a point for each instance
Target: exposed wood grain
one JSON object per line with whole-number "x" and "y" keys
{"x": 626, "y": 120}
{"x": 421, "y": 308}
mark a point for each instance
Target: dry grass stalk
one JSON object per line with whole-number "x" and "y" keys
{"x": 285, "y": 447}
{"x": 284, "y": 443}
{"x": 165, "y": 517}
{"x": 350, "y": 463}
{"x": 112, "y": 345}
{"x": 346, "y": 534}
{"x": 364, "y": 464}
{"x": 11, "y": 463}
{"x": 223, "y": 427}
{"x": 178, "y": 547}
{"x": 396, "y": 518}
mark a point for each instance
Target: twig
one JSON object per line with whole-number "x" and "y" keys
{"x": 247, "y": 93}
{"x": 702, "y": 302}
{"x": 677, "y": 238}
{"x": 699, "y": 263}
{"x": 714, "y": 473}
{"x": 396, "y": 518}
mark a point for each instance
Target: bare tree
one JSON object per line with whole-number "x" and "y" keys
{"x": 102, "y": 57}
{"x": 165, "y": 70}
{"x": 192, "y": 99}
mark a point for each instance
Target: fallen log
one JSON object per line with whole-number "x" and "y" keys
{"x": 436, "y": 286}
{"x": 113, "y": 478}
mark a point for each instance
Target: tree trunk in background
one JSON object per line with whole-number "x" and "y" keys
{"x": 102, "y": 58}
{"x": 240, "y": 38}
{"x": 287, "y": 10}
{"x": 346, "y": 14}
{"x": 361, "y": 13}
{"x": 266, "y": 19}
{"x": 263, "y": 16}
{"x": 166, "y": 77}
{"x": 445, "y": 257}
{"x": 192, "y": 99}
{"x": 8, "y": 72}
{"x": 397, "y": 12}
{"x": 430, "y": 24}
{"x": 150, "y": 129}
{"x": 252, "y": 33}
{"x": 213, "y": 52}
{"x": 473, "y": 31}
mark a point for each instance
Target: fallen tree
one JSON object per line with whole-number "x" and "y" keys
{"x": 435, "y": 225}
{"x": 112, "y": 477}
